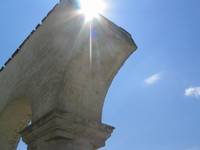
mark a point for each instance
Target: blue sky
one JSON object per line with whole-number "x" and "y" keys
{"x": 154, "y": 101}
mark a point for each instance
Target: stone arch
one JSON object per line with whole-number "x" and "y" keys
{"x": 67, "y": 90}
{"x": 14, "y": 118}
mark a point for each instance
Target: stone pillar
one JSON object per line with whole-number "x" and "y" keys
{"x": 64, "y": 131}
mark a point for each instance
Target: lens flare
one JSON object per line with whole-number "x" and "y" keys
{"x": 92, "y": 8}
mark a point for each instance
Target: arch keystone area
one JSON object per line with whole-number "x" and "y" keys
{"x": 55, "y": 80}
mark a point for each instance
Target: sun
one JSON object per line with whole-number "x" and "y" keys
{"x": 92, "y": 8}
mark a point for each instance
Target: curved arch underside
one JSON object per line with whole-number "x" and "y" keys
{"x": 13, "y": 119}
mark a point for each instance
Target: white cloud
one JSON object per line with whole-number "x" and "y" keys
{"x": 153, "y": 79}
{"x": 193, "y": 91}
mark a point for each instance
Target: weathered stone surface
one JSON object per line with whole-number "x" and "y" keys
{"x": 52, "y": 70}
{"x": 67, "y": 131}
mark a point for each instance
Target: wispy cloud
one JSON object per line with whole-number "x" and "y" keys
{"x": 153, "y": 79}
{"x": 193, "y": 91}
{"x": 194, "y": 148}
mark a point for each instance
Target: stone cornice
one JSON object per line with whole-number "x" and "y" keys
{"x": 63, "y": 125}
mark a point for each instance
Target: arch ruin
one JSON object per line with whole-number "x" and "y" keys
{"x": 51, "y": 81}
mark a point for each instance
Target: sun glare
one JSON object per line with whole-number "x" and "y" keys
{"x": 92, "y": 8}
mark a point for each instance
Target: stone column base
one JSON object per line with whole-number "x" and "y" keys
{"x": 64, "y": 131}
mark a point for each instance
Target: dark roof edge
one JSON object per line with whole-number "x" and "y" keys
{"x": 27, "y": 38}
{"x": 128, "y": 35}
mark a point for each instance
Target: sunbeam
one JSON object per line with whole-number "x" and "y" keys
{"x": 90, "y": 43}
